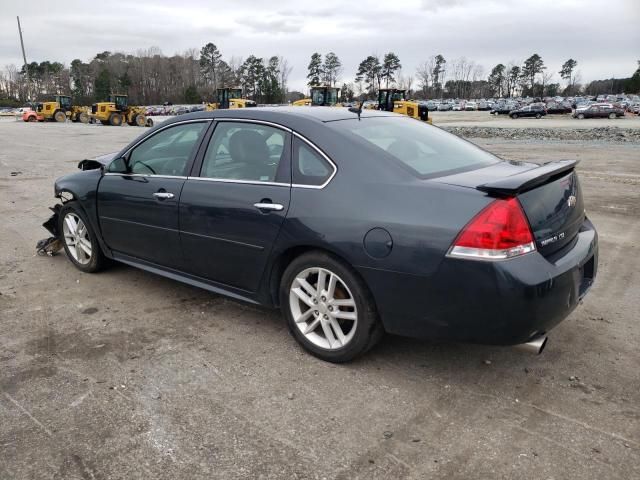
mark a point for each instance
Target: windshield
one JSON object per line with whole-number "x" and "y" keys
{"x": 324, "y": 96}
{"x": 427, "y": 151}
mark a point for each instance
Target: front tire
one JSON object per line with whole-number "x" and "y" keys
{"x": 514, "y": 116}
{"x": 60, "y": 116}
{"x": 79, "y": 239}
{"x": 139, "y": 120}
{"x": 328, "y": 308}
{"x": 580, "y": 116}
{"x": 538, "y": 116}
{"x": 612, "y": 116}
{"x": 115, "y": 119}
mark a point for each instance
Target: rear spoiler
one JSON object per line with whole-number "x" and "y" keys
{"x": 528, "y": 180}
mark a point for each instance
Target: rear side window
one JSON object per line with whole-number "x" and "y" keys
{"x": 246, "y": 151}
{"x": 427, "y": 151}
{"x": 309, "y": 167}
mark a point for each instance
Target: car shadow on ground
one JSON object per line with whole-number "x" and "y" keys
{"x": 417, "y": 355}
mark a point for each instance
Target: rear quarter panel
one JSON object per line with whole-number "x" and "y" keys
{"x": 423, "y": 217}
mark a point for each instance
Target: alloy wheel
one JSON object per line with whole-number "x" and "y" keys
{"x": 76, "y": 237}
{"x": 323, "y": 308}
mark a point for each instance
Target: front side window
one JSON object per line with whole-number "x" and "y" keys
{"x": 427, "y": 151}
{"x": 167, "y": 152}
{"x": 245, "y": 151}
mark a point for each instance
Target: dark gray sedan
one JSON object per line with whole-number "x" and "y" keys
{"x": 352, "y": 225}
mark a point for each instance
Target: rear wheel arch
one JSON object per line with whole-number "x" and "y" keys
{"x": 284, "y": 259}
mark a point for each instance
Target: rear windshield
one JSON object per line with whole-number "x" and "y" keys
{"x": 426, "y": 150}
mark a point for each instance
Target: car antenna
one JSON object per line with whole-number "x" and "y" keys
{"x": 357, "y": 110}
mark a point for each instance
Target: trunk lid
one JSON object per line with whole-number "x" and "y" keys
{"x": 550, "y": 196}
{"x": 555, "y": 211}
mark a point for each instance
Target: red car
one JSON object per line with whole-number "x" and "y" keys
{"x": 32, "y": 116}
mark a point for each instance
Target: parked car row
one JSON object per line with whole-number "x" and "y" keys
{"x": 170, "y": 110}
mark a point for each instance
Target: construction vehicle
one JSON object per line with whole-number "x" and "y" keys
{"x": 395, "y": 100}
{"x": 321, "y": 96}
{"x": 60, "y": 109}
{"x": 229, "y": 98}
{"x": 117, "y": 110}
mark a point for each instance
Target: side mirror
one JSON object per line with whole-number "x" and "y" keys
{"x": 119, "y": 165}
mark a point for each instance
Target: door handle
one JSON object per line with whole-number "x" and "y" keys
{"x": 163, "y": 195}
{"x": 269, "y": 206}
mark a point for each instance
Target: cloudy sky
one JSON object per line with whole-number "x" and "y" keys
{"x": 602, "y": 35}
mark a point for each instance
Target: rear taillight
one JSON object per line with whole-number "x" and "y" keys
{"x": 499, "y": 231}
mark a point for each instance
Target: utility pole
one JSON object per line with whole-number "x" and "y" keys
{"x": 24, "y": 57}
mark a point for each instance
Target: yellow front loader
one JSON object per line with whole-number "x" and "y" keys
{"x": 229, "y": 98}
{"x": 116, "y": 110}
{"x": 60, "y": 108}
{"x": 321, "y": 96}
{"x": 394, "y": 100}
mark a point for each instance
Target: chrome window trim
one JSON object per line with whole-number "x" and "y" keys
{"x": 231, "y": 180}
{"x": 250, "y": 120}
{"x": 296, "y": 134}
{"x": 144, "y": 175}
{"x": 224, "y": 180}
{"x": 323, "y": 155}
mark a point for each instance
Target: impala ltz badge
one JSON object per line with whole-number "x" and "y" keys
{"x": 555, "y": 238}
{"x": 571, "y": 201}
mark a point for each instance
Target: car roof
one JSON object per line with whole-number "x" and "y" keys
{"x": 284, "y": 115}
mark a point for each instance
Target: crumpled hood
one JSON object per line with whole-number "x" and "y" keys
{"x": 97, "y": 162}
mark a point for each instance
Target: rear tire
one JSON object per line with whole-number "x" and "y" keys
{"x": 139, "y": 120}
{"x": 115, "y": 119}
{"x": 32, "y": 119}
{"x": 538, "y": 116}
{"x": 334, "y": 333}
{"x": 60, "y": 116}
{"x": 83, "y": 117}
{"x": 612, "y": 116}
{"x": 79, "y": 239}
{"x": 514, "y": 115}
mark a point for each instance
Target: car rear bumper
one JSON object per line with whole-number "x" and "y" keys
{"x": 501, "y": 303}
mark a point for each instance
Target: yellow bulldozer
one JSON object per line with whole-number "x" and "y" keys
{"x": 60, "y": 109}
{"x": 321, "y": 96}
{"x": 395, "y": 100}
{"x": 117, "y": 110}
{"x": 229, "y": 98}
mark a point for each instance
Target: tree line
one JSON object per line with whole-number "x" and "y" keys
{"x": 150, "y": 77}
{"x": 462, "y": 78}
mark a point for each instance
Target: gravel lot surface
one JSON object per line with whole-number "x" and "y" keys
{"x": 484, "y": 119}
{"x": 124, "y": 375}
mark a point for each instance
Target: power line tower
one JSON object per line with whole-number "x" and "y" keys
{"x": 24, "y": 57}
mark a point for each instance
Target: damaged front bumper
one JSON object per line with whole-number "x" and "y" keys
{"x": 51, "y": 245}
